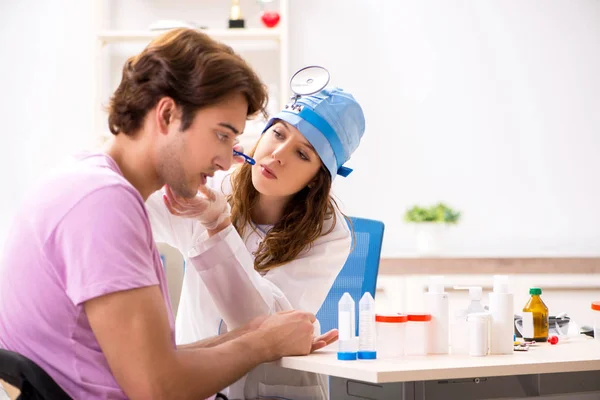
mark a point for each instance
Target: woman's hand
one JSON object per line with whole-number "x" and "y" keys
{"x": 208, "y": 207}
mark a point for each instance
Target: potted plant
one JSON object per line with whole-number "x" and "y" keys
{"x": 431, "y": 225}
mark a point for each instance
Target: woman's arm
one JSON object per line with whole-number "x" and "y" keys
{"x": 227, "y": 269}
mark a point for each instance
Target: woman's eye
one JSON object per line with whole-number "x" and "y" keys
{"x": 303, "y": 156}
{"x": 277, "y": 134}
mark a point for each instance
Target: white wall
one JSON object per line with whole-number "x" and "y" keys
{"x": 490, "y": 106}
{"x": 46, "y": 74}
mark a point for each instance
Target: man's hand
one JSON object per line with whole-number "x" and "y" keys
{"x": 288, "y": 333}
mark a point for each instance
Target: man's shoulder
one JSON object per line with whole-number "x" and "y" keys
{"x": 88, "y": 183}
{"x": 82, "y": 176}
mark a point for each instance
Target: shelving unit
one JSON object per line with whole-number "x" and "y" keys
{"x": 108, "y": 36}
{"x": 241, "y": 38}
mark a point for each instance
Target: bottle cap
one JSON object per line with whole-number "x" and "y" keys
{"x": 419, "y": 317}
{"x": 367, "y": 355}
{"x": 346, "y": 355}
{"x": 393, "y": 318}
{"x": 475, "y": 292}
{"x": 535, "y": 291}
{"x": 436, "y": 284}
{"x": 500, "y": 283}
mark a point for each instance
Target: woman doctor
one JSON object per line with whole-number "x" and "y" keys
{"x": 276, "y": 242}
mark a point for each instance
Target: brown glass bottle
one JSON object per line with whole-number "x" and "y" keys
{"x": 539, "y": 315}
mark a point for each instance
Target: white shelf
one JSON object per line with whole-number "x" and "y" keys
{"x": 121, "y": 36}
{"x": 240, "y": 39}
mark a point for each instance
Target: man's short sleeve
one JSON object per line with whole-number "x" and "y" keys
{"x": 104, "y": 245}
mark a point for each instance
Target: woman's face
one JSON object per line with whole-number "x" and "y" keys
{"x": 285, "y": 161}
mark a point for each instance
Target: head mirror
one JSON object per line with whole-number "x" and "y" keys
{"x": 309, "y": 80}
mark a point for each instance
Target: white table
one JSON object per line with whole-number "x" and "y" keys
{"x": 571, "y": 366}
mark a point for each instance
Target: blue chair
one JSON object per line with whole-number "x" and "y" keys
{"x": 359, "y": 273}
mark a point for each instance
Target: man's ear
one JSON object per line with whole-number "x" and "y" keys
{"x": 165, "y": 112}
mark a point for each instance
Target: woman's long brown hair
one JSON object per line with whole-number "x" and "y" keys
{"x": 302, "y": 222}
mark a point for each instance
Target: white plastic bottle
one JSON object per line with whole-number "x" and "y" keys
{"x": 346, "y": 316}
{"x": 502, "y": 312}
{"x": 478, "y": 337}
{"x": 366, "y": 328}
{"x": 436, "y": 304}
{"x": 459, "y": 340}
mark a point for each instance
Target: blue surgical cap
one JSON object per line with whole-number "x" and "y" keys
{"x": 332, "y": 121}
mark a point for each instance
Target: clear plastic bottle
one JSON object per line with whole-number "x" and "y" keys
{"x": 535, "y": 318}
{"x": 346, "y": 316}
{"x": 366, "y": 328}
{"x": 459, "y": 341}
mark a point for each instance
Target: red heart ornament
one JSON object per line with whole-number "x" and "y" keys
{"x": 270, "y": 18}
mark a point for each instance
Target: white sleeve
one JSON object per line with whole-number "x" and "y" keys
{"x": 180, "y": 233}
{"x": 241, "y": 293}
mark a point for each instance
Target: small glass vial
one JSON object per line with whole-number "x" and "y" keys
{"x": 479, "y": 333}
{"x": 366, "y": 328}
{"x": 535, "y": 318}
{"x": 346, "y": 334}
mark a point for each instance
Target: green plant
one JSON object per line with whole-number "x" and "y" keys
{"x": 439, "y": 213}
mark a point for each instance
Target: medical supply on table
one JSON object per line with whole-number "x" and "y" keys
{"x": 502, "y": 317}
{"x": 417, "y": 334}
{"x": 246, "y": 158}
{"x": 436, "y": 304}
{"x": 553, "y": 339}
{"x": 346, "y": 329}
{"x": 458, "y": 325}
{"x": 367, "y": 335}
{"x": 596, "y": 312}
{"x": 479, "y": 325}
{"x": 475, "y": 294}
{"x": 391, "y": 335}
{"x": 535, "y": 317}
{"x": 559, "y": 325}
{"x": 521, "y": 347}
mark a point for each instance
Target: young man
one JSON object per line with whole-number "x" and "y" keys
{"x": 83, "y": 292}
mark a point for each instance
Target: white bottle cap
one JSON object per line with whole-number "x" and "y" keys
{"x": 346, "y": 302}
{"x": 478, "y": 317}
{"x": 436, "y": 284}
{"x": 500, "y": 283}
{"x": 475, "y": 292}
{"x": 367, "y": 303}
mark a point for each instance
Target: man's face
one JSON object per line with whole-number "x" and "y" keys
{"x": 188, "y": 157}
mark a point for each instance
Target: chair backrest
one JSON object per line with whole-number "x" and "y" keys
{"x": 174, "y": 265}
{"x": 359, "y": 273}
{"x": 29, "y": 378}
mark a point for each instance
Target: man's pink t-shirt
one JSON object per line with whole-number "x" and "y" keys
{"x": 82, "y": 233}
